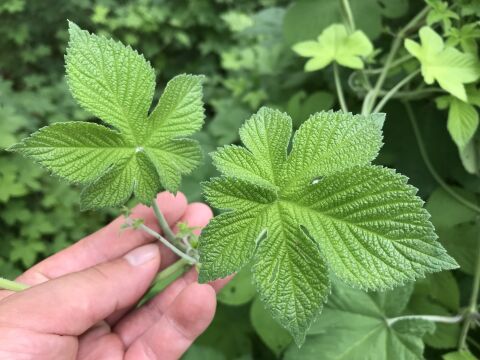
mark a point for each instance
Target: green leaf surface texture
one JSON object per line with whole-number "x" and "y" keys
{"x": 139, "y": 153}
{"x": 318, "y": 206}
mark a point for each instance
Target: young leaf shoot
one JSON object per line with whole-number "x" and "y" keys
{"x": 335, "y": 44}
{"x": 451, "y": 68}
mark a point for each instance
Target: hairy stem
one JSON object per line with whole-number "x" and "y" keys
{"x": 168, "y": 244}
{"x": 12, "y": 285}
{"x": 394, "y": 90}
{"x": 167, "y": 231}
{"x": 431, "y": 169}
{"x": 397, "y": 42}
{"x": 338, "y": 86}
{"x": 172, "y": 269}
{"x": 164, "y": 278}
{"x": 434, "y": 318}
{"x": 472, "y": 305}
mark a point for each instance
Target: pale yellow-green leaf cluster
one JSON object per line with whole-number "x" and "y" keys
{"x": 451, "y": 68}
{"x": 335, "y": 44}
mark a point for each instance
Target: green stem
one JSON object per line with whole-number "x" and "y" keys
{"x": 351, "y": 27}
{"x": 391, "y": 55}
{"x": 472, "y": 305}
{"x": 168, "y": 244}
{"x": 172, "y": 269}
{"x": 431, "y": 169}
{"x": 165, "y": 278}
{"x": 474, "y": 343}
{"x": 167, "y": 231}
{"x": 12, "y": 285}
{"x": 434, "y": 318}
{"x": 393, "y": 65}
{"x": 394, "y": 90}
{"x": 366, "y": 101}
{"x": 416, "y": 93}
{"x": 338, "y": 86}
{"x": 348, "y": 12}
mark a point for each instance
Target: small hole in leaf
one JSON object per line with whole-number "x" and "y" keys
{"x": 317, "y": 180}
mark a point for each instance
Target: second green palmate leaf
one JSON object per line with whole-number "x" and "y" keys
{"x": 320, "y": 208}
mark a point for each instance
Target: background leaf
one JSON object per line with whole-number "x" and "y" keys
{"x": 462, "y": 122}
{"x": 274, "y": 336}
{"x": 351, "y": 329}
{"x": 446, "y": 65}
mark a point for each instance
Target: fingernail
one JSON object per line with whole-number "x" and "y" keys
{"x": 142, "y": 254}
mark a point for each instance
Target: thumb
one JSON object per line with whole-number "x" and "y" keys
{"x": 71, "y": 304}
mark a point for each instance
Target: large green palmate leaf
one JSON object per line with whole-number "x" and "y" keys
{"x": 140, "y": 153}
{"x": 323, "y": 207}
{"x": 359, "y": 326}
{"x": 448, "y": 66}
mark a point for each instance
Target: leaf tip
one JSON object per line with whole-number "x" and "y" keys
{"x": 379, "y": 118}
{"x": 73, "y": 29}
{"x": 203, "y": 277}
{"x": 14, "y": 148}
{"x": 299, "y": 338}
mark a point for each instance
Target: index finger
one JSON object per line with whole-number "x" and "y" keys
{"x": 107, "y": 243}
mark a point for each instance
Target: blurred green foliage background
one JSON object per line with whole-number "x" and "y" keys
{"x": 244, "y": 49}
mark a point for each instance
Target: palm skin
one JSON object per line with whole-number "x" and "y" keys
{"x": 82, "y": 303}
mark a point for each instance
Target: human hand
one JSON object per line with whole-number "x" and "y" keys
{"x": 81, "y": 304}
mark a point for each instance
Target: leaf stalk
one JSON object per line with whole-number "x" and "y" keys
{"x": 433, "y": 318}
{"x": 168, "y": 244}
{"x": 471, "y": 311}
{"x": 166, "y": 230}
{"x": 430, "y": 167}
{"x": 12, "y": 285}
{"x": 338, "y": 86}
{"x": 348, "y": 12}
{"x": 394, "y": 90}
{"x": 397, "y": 42}
{"x": 172, "y": 269}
